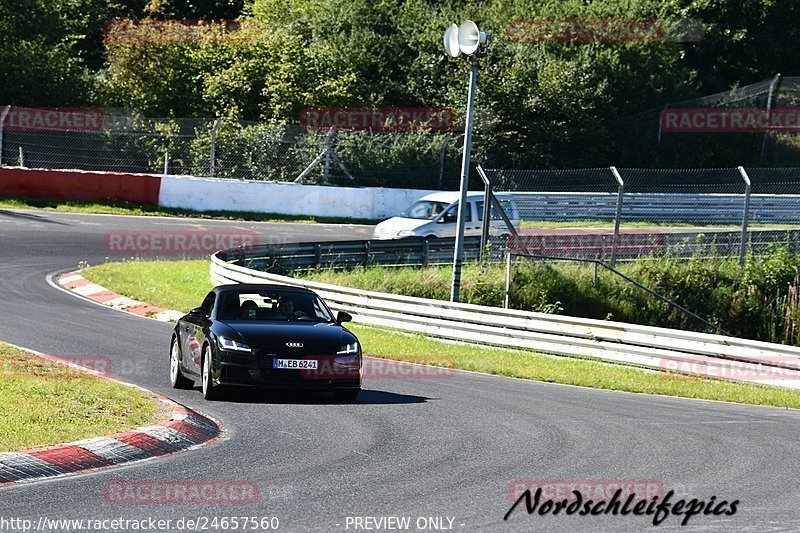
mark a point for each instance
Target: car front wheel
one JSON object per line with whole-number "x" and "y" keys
{"x": 176, "y": 377}
{"x": 210, "y": 391}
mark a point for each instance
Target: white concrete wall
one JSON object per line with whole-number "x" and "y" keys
{"x": 212, "y": 194}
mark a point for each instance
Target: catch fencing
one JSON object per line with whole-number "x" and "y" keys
{"x": 647, "y": 209}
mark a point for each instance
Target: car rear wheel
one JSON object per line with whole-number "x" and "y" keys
{"x": 210, "y": 391}
{"x": 346, "y": 395}
{"x": 176, "y": 377}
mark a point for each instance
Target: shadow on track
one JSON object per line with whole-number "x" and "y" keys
{"x": 367, "y": 397}
{"x": 31, "y": 216}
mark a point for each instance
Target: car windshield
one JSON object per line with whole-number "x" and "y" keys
{"x": 424, "y": 210}
{"x": 272, "y": 305}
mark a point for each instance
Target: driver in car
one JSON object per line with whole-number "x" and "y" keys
{"x": 287, "y": 311}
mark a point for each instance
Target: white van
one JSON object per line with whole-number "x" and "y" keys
{"x": 436, "y": 215}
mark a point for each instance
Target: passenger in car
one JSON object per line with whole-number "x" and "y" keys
{"x": 249, "y": 310}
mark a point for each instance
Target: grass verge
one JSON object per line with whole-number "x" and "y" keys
{"x": 44, "y": 403}
{"x": 182, "y": 285}
{"x": 125, "y": 208}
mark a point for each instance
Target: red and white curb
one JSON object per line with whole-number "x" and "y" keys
{"x": 76, "y": 283}
{"x": 185, "y": 429}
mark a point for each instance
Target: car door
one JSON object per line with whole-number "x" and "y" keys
{"x": 448, "y": 223}
{"x": 473, "y": 225}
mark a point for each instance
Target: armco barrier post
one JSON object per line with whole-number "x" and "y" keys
{"x": 620, "y": 193}
{"x": 745, "y": 212}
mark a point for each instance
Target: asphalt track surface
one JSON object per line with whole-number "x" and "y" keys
{"x": 409, "y": 447}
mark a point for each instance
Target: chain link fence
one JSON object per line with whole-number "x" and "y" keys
{"x": 111, "y": 140}
{"x": 766, "y": 135}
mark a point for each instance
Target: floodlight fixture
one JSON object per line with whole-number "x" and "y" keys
{"x": 451, "y": 41}
{"x": 466, "y": 39}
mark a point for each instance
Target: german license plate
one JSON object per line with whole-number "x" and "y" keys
{"x": 295, "y": 364}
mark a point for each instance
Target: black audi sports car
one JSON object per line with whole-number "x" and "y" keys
{"x": 265, "y": 336}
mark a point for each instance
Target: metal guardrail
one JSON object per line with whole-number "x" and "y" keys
{"x": 347, "y": 254}
{"x": 657, "y": 207}
{"x": 593, "y": 244}
{"x": 644, "y": 346}
{"x": 599, "y": 244}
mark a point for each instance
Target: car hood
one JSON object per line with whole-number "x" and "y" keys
{"x": 319, "y": 338}
{"x": 396, "y": 224}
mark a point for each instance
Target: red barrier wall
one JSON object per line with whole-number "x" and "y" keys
{"x": 79, "y": 185}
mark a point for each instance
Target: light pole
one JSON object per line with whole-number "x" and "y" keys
{"x": 466, "y": 39}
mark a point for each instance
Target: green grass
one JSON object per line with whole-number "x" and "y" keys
{"x": 44, "y": 403}
{"x": 179, "y": 285}
{"x": 182, "y": 285}
{"x": 125, "y": 208}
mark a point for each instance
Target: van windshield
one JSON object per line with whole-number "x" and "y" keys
{"x": 424, "y": 210}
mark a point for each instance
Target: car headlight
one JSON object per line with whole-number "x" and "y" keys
{"x": 348, "y": 359}
{"x": 406, "y": 233}
{"x": 232, "y": 345}
{"x": 348, "y": 349}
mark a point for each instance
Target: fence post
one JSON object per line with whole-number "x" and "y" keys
{"x": 2, "y": 124}
{"x": 442, "y": 155}
{"x": 745, "y": 212}
{"x": 214, "y": 145}
{"x": 487, "y": 211}
{"x": 772, "y": 85}
{"x": 166, "y": 162}
{"x": 326, "y": 169}
{"x": 508, "y": 279}
{"x": 620, "y": 193}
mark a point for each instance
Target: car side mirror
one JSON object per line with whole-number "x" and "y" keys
{"x": 343, "y": 316}
{"x": 198, "y": 311}
{"x": 448, "y": 218}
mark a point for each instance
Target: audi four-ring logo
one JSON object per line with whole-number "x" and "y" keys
{"x": 294, "y": 344}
